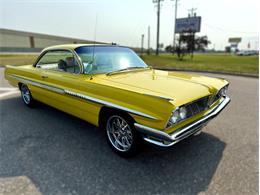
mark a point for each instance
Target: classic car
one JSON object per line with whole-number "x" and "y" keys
{"x": 111, "y": 87}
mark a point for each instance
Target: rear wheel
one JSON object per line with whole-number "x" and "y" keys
{"x": 26, "y": 95}
{"x": 121, "y": 134}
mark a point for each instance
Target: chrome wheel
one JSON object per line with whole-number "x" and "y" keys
{"x": 119, "y": 133}
{"x": 25, "y": 94}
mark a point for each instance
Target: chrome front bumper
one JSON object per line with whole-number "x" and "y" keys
{"x": 163, "y": 139}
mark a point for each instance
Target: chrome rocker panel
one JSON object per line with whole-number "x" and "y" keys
{"x": 163, "y": 139}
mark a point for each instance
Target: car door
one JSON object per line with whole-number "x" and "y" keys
{"x": 60, "y": 72}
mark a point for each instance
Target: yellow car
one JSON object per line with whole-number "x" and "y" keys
{"x": 111, "y": 87}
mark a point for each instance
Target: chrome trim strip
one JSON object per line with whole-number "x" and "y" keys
{"x": 78, "y": 95}
{"x": 181, "y": 133}
{"x": 99, "y": 101}
{"x": 168, "y": 144}
{"x": 27, "y": 81}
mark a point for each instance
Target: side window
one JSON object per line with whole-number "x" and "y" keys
{"x": 60, "y": 61}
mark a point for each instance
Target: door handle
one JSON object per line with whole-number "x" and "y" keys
{"x": 44, "y": 77}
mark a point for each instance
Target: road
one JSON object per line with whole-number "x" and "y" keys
{"x": 45, "y": 151}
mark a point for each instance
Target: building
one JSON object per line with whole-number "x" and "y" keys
{"x": 20, "y": 41}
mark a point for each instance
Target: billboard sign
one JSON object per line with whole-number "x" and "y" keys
{"x": 235, "y": 40}
{"x": 190, "y": 24}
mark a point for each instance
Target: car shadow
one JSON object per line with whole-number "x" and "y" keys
{"x": 65, "y": 155}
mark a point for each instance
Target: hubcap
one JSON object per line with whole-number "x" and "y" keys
{"x": 25, "y": 94}
{"x": 119, "y": 133}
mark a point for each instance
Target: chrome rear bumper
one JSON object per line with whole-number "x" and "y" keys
{"x": 163, "y": 139}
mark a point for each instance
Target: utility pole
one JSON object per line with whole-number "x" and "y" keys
{"x": 192, "y": 12}
{"x": 158, "y": 2}
{"x": 175, "y": 17}
{"x": 142, "y": 44}
{"x": 148, "y": 41}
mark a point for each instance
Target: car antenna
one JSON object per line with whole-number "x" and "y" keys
{"x": 94, "y": 44}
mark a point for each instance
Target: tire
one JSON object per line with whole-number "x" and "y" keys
{"x": 26, "y": 96}
{"x": 121, "y": 134}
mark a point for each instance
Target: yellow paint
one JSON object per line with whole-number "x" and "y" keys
{"x": 142, "y": 90}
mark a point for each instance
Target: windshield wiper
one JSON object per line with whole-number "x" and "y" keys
{"x": 125, "y": 69}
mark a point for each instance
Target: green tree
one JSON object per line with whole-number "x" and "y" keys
{"x": 189, "y": 43}
{"x": 201, "y": 43}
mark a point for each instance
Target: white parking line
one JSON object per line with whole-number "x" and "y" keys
{"x": 8, "y": 89}
{"x": 8, "y": 93}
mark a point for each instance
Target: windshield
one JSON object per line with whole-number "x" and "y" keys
{"x": 107, "y": 59}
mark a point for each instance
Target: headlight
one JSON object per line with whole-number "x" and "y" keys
{"x": 183, "y": 113}
{"x": 177, "y": 115}
{"x": 223, "y": 91}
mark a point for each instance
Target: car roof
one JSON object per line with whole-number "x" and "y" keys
{"x": 74, "y": 46}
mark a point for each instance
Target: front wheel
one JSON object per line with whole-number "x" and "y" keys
{"x": 26, "y": 96}
{"x": 121, "y": 135}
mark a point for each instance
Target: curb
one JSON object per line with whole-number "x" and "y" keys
{"x": 3, "y": 66}
{"x": 212, "y": 72}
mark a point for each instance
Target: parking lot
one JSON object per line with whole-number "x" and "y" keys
{"x": 45, "y": 151}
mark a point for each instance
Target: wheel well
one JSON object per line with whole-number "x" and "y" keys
{"x": 105, "y": 111}
{"x": 20, "y": 85}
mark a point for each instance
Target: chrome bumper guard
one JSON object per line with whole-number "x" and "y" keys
{"x": 163, "y": 139}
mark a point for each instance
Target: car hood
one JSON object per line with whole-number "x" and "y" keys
{"x": 178, "y": 87}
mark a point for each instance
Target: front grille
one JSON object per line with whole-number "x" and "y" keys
{"x": 197, "y": 106}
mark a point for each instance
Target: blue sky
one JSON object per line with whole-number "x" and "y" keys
{"x": 123, "y": 21}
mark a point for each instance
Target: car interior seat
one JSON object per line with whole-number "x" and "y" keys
{"x": 62, "y": 65}
{"x": 72, "y": 65}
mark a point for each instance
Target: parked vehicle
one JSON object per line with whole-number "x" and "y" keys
{"x": 247, "y": 53}
{"x": 111, "y": 87}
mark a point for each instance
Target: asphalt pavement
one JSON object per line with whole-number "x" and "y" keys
{"x": 45, "y": 151}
